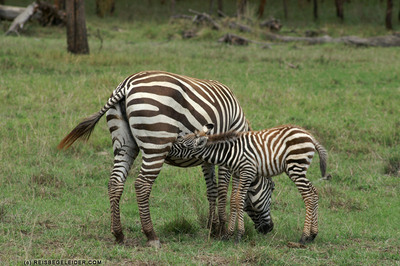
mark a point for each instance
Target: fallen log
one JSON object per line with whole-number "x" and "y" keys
{"x": 239, "y": 40}
{"x": 200, "y": 17}
{"x": 234, "y": 39}
{"x": 272, "y": 24}
{"x": 10, "y": 12}
{"x": 181, "y": 16}
{"x": 45, "y": 13}
{"x": 378, "y": 41}
{"x": 22, "y": 18}
{"x": 241, "y": 27}
{"x": 51, "y": 15}
{"x": 187, "y": 34}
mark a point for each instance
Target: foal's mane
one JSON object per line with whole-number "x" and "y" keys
{"x": 222, "y": 137}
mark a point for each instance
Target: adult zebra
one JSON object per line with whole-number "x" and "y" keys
{"x": 261, "y": 154}
{"x": 145, "y": 113}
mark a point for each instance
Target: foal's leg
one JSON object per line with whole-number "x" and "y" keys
{"x": 240, "y": 187}
{"x": 314, "y": 223}
{"x": 212, "y": 193}
{"x": 297, "y": 174}
{"x": 224, "y": 176}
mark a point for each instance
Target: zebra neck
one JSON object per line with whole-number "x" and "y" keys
{"x": 218, "y": 153}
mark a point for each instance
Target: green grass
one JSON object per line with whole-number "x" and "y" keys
{"x": 54, "y": 205}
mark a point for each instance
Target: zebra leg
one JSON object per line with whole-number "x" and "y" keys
{"x": 224, "y": 176}
{"x": 235, "y": 205}
{"x": 310, "y": 197}
{"x": 125, "y": 152}
{"x": 232, "y": 216}
{"x": 209, "y": 176}
{"x": 242, "y": 189}
{"x": 314, "y": 223}
{"x": 149, "y": 171}
{"x": 122, "y": 163}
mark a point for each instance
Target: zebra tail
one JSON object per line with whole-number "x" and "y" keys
{"x": 323, "y": 156}
{"x": 86, "y": 127}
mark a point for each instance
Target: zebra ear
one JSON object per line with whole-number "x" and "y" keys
{"x": 207, "y": 128}
{"x": 181, "y": 134}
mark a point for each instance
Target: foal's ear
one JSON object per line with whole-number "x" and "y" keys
{"x": 207, "y": 128}
{"x": 181, "y": 134}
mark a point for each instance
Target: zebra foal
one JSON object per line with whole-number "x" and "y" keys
{"x": 259, "y": 154}
{"x": 144, "y": 114}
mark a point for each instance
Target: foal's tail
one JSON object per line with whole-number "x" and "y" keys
{"x": 323, "y": 157}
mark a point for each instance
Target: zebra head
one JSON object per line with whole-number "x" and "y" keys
{"x": 258, "y": 204}
{"x": 194, "y": 141}
{"x": 258, "y": 199}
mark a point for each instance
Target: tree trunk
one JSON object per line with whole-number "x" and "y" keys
{"x": 105, "y": 7}
{"x": 76, "y": 27}
{"x": 339, "y": 9}
{"x": 211, "y": 7}
{"x": 60, "y": 4}
{"x": 172, "y": 7}
{"x": 241, "y": 7}
{"x": 220, "y": 7}
{"x": 261, "y": 8}
{"x": 315, "y": 9}
{"x": 285, "y": 9}
{"x": 388, "y": 20}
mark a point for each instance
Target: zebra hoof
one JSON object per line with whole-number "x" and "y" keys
{"x": 221, "y": 231}
{"x": 215, "y": 230}
{"x": 226, "y": 236}
{"x": 307, "y": 239}
{"x": 119, "y": 237}
{"x": 237, "y": 239}
{"x": 154, "y": 243}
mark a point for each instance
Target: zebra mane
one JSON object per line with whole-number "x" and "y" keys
{"x": 223, "y": 137}
{"x": 249, "y": 125}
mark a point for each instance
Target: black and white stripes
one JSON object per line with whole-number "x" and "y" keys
{"x": 145, "y": 113}
{"x": 259, "y": 154}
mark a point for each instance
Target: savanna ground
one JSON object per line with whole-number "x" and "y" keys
{"x": 54, "y": 204}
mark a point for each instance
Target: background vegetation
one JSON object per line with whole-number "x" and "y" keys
{"x": 54, "y": 205}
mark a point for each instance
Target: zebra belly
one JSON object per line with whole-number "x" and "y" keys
{"x": 183, "y": 162}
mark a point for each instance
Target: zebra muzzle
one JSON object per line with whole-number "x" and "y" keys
{"x": 265, "y": 227}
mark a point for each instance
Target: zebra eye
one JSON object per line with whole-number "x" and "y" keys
{"x": 200, "y": 142}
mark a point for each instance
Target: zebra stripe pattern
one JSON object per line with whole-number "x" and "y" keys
{"x": 145, "y": 113}
{"x": 256, "y": 154}
{"x": 258, "y": 203}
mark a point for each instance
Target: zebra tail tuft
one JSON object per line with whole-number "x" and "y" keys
{"x": 83, "y": 130}
{"x": 323, "y": 156}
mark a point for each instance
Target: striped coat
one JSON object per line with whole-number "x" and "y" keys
{"x": 144, "y": 114}
{"x": 259, "y": 154}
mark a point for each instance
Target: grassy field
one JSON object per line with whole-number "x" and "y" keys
{"x": 54, "y": 205}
